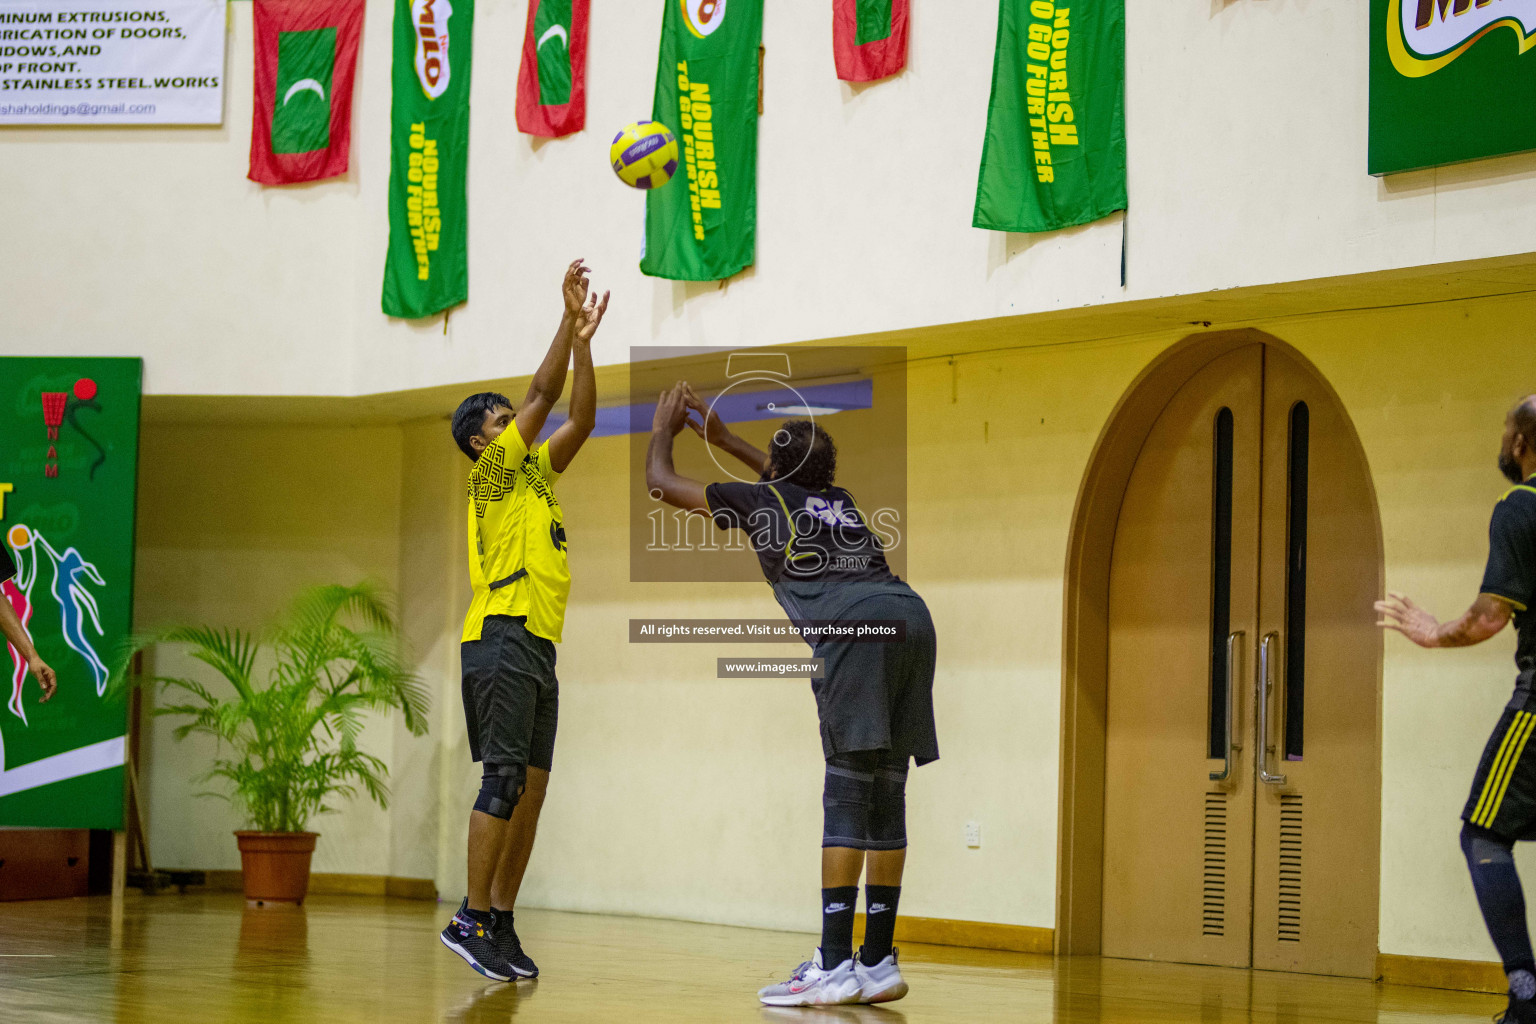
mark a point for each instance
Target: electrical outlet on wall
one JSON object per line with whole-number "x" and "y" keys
{"x": 973, "y": 834}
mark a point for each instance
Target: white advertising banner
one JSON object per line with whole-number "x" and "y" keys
{"x": 104, "y": 62}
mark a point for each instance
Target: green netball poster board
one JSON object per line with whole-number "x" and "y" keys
{"x": 69, "y": 448}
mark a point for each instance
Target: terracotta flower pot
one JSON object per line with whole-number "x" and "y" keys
{"x": 274, "y": 866}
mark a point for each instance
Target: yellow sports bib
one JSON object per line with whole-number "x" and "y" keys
{"x": 516, "y": 538}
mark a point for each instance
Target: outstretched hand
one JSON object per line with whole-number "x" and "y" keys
{"x": 574, "y": 287}
{"x": 1400, "y": 614}
{"x": 589, "y": 316}
{"x": 709, "y": 425}
{"x": 671, "y": 411}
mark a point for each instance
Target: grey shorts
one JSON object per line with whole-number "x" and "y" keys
{"x": 879, "y": 696}
{"x": 511, "y": 695}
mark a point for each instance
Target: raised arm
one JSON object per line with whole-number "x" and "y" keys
{"x": 660, "y": 478}
{"x": 16, "y": 634}
{"x": 549, "y": 382}
{"x": 1484, "y": 619}
{"x": 714, "y": 431}
{"x": 573, "y": 433}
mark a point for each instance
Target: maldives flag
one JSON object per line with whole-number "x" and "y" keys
{"x": 869, "y": 38}
{"x": 552, "y": 83}
{"x": 306, "y": 59}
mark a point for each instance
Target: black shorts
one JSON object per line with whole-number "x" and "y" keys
{"x": 511, "y": 695}
{"x": 879, "y": 696}
{"x": 1503, "y": 798}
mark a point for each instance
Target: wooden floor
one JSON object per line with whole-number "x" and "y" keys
{"x": 206, "y": 959}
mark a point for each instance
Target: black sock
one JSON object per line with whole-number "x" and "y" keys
{"x": 880, "y": 903}
{"x": 837, "y": 924}
{"x": 478, "y": 916}
{"x": 1502, "y": 901}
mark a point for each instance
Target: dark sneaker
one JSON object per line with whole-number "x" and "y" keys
{"x": 505, "y": 937}
{"x": 472, "y": 941}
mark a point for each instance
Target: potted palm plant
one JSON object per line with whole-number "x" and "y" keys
{"x": 287, "y": 741}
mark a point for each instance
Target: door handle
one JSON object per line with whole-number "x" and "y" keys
{"x": 1233, "y": 650}
{"x": 1261, "y": 756}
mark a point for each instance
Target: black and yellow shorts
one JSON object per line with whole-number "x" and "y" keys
{"x": 1503, "y": 798}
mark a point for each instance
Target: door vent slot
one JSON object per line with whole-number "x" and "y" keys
{"x": 1290, "y": 868}
{"x": 1214, "y": 893}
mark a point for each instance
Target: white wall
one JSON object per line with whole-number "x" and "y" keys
{"x": 1246, "y": 120}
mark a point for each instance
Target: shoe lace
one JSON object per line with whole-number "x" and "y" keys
{"x": 801, "y": 971}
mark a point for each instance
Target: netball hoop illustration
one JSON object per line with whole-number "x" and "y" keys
{"x": 60, "y": 407}
{"x": 54, "y": 403}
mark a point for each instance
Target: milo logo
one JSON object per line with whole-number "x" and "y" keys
{"x": 1425, "y": 35}
{"x": 430, "y": 18}
{"x": 703, "y": 16}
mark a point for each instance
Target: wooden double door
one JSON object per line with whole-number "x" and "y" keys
{"x": 1242, "y": 779}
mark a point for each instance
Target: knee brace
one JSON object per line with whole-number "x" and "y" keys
{"x": 845, "y": 800}
{"x": 500, "y": 787}
{"x": 1481, "y": 846}
{"x": 888, "y": 806}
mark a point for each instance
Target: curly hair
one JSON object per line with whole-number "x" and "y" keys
{"x": 803, "y": 454}
{"x": 470, "y": 417}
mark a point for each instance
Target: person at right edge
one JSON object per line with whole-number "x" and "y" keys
{"x": 1502, "y": 808}
{"x": 875, "y": 703}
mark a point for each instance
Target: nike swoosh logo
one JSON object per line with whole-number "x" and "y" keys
{"x": 836, "y": 908}
{"x": 878, "y": 908}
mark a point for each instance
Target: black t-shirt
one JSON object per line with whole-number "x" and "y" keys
{"x": 816, "y": 549}
{"x": 1511, "y": 573}
{"x": 7, "y": 567}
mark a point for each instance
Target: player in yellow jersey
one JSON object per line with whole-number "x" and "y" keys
{"x": 517, "y": 567}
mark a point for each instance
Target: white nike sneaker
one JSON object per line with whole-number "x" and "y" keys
{"x": 814, "y": 985}
{"x": 881, "y": 983}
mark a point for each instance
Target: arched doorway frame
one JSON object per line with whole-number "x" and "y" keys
{"x": 1085, "y": 620}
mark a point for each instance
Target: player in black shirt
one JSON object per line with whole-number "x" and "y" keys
{"x": 876, "y": 700}
{"x": 16, "y": 634}
{"x": 1502, "y": 807}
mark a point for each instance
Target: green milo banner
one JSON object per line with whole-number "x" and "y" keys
{"x": 703, "y": 227}
{"x": 427, "y": 270}
{"x": 1450, "y": 80}
{"x": 69, "y": 446}
{"x": 1054, "y": 154}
